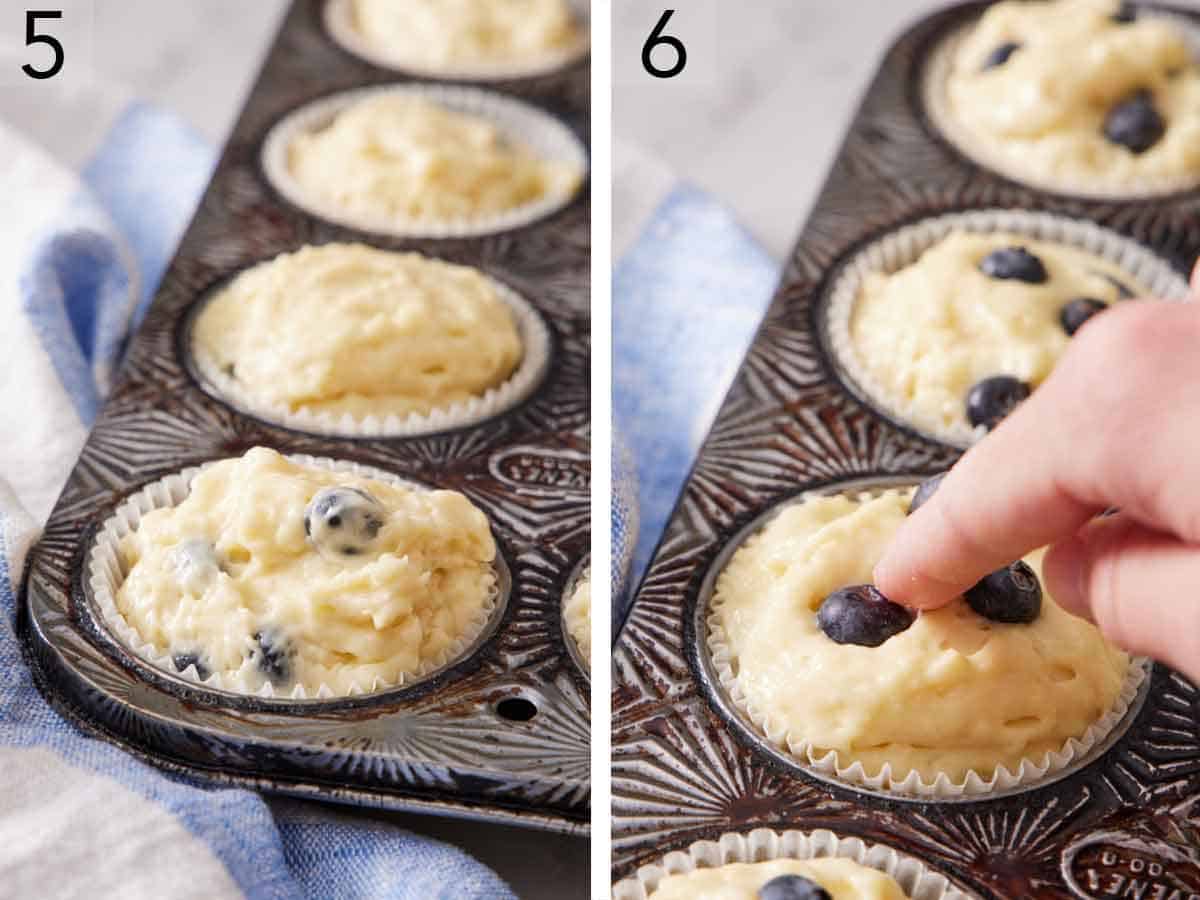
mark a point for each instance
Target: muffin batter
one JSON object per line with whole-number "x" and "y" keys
{"x": 578, "y": 616}
{"x": 1036, "y": 85}
{"x": 843, "y": 879}
{"x": 439, "y": 33}
{"x": 923, "y": 336}
{"x": 272, "y": 571}
{"x": 348, "y": 329}
{"x": 953, "y": 692}
{"x": 401, "y": 158}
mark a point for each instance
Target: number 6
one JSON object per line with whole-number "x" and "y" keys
{"x": 656, "y": 38}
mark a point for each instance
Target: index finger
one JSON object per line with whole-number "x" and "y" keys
{"x": 1110, "y": 426}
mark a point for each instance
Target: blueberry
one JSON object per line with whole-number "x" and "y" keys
{"x": 1016, "y": 263}
{"x": 273, "y": 655}
{"x": 1012, "y": 594}
{"x": 182, "y": 660}
{"x": 1074, "y": 314}
{"x": 1134, "y": 123}
{"x": 1125, "y": 14}
{"x": 992, "y": 399}
{"x": 924, "y": 491}
{"x": 859, "y": 614}
{"x": 1000, "y": 55}
{"x": 792, "y": 887}
{"x": 343, "y": 521}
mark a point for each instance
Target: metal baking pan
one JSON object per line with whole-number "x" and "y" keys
{"x": 501, "y": 735}
{"x": 1126, "y": 824}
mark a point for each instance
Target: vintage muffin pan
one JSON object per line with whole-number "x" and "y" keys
{"x": 500, "y": 733}
{"x": 686, "y": 767}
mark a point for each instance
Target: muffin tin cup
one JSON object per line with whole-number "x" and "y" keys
{"x": 936, "y": 101}
{"x": 826, "y": 764}
{"x": 338, "y": 16}
{"x": 917, "y": 880}
{"x": 535, "y": 360}
{"x": 105, "y": 571}
{"x": 521, "y": 122}
{"x": 903, "y": 246}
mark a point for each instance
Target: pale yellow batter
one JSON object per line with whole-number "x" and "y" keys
{"x": 439, "y": 33}
{"x": 578, "y": 615}
{"x": 1043, "y": 110}
{"x": 924, "y": 335}
{"x": 402, "y": 158}
{"x": 844, "y": 879}
{"x": 348, "y": 329}
{"x": 952, "y": 693}
{"x": 230, "y": 579}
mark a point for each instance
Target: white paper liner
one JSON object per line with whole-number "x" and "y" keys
{"x": 339, "y": 22}
{"x": 1031, "y": 773}
{"x": 106, "y": 571}
{"x": 902, "y": 247}
{"x": 917, "y": 880}
{"x": 987, "y": 153}
{"x": 535, "y": 360}
{"x": 584, "y": 571}
{"x": 521, "y": 122}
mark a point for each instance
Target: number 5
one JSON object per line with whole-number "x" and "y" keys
{"x": 32, "y": 37}
{"x": 656, "y": 38}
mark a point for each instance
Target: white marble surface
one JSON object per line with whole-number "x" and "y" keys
{"x": 200, "y": 59}
{"x": 773, "y": 85}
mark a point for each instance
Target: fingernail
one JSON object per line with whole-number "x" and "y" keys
{"x": 1064, "y": 568}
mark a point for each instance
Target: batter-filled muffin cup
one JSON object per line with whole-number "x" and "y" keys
{"x": 577, "y": 617}
{"x": 295, "y": 577}
{"x": 350, "y": 340}
{"x": 736, "y": 863}
{"x": 1094, "y": 98}
{"x": 478, "y": 40}
{"x": 425, "y": 160}
{"x": 999, "y": 691}
{"x": 945, "y": 324}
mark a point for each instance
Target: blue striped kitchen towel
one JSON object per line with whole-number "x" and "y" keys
{"x": 98, "y": 188}
{"x": 689, "y": 289}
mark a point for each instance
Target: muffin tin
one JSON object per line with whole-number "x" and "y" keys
{"x": 501, "y": 734}
{"x": 686, "y": 769}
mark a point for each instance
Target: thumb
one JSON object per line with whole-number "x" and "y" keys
{"x": 1140, "y": 587}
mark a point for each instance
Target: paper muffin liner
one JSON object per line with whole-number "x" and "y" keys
{"x": 339, "y": 23}
{"x": 916, "y": 879}
{"x": 105, "y": 571}
{"x": 582, "y": 571}
{"x": 826, "y": 764}
{"x": 986, "y": 152}
{"x": 535, "y": 361}
{"x": 900, "y": 248}
{"x": 521, "y": 122}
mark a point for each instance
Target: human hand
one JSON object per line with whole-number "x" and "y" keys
{"x": 1117, "y": 424}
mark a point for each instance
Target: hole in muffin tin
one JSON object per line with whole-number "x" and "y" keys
{"x": 903, "y": 244}
{"x": 934, "y": 108}
{"x": 168, "y": 677}
{"x": 748, "y": 732}
{"x": 545, "y": 135}
{"x": 338, "y": 19}
{"x": 517, "y": 709}
{"x": 568, "y": 639}
{"x": 537, "y": 344}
